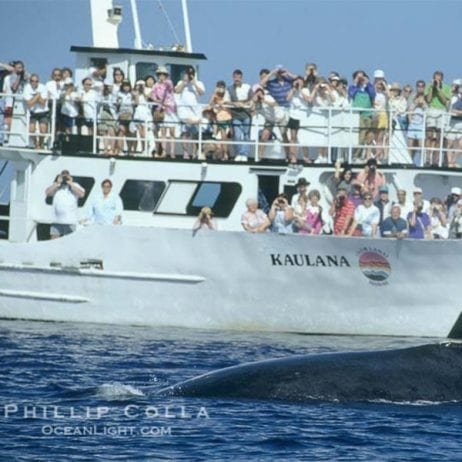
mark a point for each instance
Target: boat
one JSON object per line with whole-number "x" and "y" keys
{"x": 154, "y": 270}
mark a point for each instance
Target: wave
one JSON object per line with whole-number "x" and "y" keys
{"x": 117, "y": 390}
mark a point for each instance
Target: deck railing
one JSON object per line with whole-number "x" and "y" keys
{"x": 325, "y": 134}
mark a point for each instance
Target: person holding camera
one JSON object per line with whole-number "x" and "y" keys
{"x": 189, "y": 89}
{"x": 438, "y": 96}
{"x": 371, "y": 178}
{"x": 439, "y": 219}
{"x": 342, "y": 211}
{"x": 455, "y": 229}
{"x": 205, "y": 220}
{"x": 300, "y": 99}
{"x": 36, "y": 98}
{"x": 419, "y": 222}
{"x": 362, "y": 96}
{"x": 281, "y": 215}
{"x": 65, "y": 194}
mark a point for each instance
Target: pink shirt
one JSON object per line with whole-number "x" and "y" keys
{"x": 163, "y": 91}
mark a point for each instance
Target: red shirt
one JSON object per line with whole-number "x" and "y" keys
{"x": 341, "y": 216}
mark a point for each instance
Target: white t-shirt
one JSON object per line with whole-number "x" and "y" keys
{"x": 89, "y": 101}
{"x": 188, "y": 101}
{"x": 366, "y": 217}
{"x": 65, "y": 205}
{"x": 55, "y": 89}
{"x": 30, "y": 92}
{"x": 298, "y": 105}
{"x": 70, "y": 106}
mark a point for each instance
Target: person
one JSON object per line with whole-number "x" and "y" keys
{"x": 125, "y": 110}
{"x": 383, "y": 203}
{"x": 189, "y": 89}
{"x": 240, "y": 94}
{"x": 397, "y": 104}
{"x": 438, "y": 96}
{"x": 394, "y": 225}
{"x": 106, "y": 208}
{"x": 163, "y": 94}
{"x": 419, "y": 222}
{"x": 254, "y": 220}
{"x": 366, "y": 218}
{"x": 371, "y": 178}
{"x": 69, "y": 106}
{"x": 451, "y": 201}
{"x": 418, "y": 195}
{"x": 342, "y": 211}
{"x": 205, "y": 220}
{"x": 415, "y": 129}
{"x": 266, "y": 106}
{"x": 362, "y": 95}
{"x": 406, "y": 205}
{"x": 454, "y": 134}
{"x": 302, "y": 187}
{"x": 438, "y": 218}
{"x": 107, "y": 119}
{"x": 281, "y": 215}
{"x": 55, "y": 88}
{"x": 310, "y": 222}
{"x": 220, "y": 105}
{"x": 142, "y": 117}
{"x": 89, "y": 99}
{"x": 36, "y": 97}
{"x": 65, "y": 193}
{"x": 13, "y": 84}
{"x": 299, "y": 98}
{"x": 278, "y": 83}
{"x": 455, "y": 229}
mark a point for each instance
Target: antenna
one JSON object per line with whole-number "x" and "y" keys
{"x": 187, "y": 31}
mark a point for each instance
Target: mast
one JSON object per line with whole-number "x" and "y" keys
{"x": 136, "y": 25}
{"x": 187, "y": 30}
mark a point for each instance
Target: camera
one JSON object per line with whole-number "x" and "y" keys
{"x": 64, "y": 180}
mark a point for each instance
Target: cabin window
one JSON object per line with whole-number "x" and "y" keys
{"x": 141, "y": 195}
{"x": 145, "y": 69}
{"x": 86, "y": 182}
{"x": 188, "y": 197}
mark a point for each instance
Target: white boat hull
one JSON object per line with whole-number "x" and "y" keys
{"x": 235, "y": 280}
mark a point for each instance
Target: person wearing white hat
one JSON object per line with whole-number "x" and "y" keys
{"x": 417, "y": 194}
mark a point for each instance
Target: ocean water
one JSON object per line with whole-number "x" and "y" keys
{"x": 88, "y": 392}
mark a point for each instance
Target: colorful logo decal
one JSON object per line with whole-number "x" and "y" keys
{"x": 374, "y": 266}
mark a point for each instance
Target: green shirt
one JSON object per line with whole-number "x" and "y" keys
{"x": 436, "y": 103}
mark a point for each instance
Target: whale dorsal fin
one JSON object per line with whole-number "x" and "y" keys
{"x": 456, "y": 331}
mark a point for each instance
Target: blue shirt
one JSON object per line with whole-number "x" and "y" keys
{"x": 280, "y": 89}
{"x": 422, "y": 222}
{"x": 104, "y": 209}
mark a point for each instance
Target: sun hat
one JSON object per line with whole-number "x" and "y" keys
{"x": 161, "y": 70}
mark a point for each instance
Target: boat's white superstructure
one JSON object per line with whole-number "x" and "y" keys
{"x": 154, "y": 270}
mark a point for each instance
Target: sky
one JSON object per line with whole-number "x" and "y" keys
{"x": 408, "y": 39}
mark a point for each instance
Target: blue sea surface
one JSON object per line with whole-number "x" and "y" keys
{"x": 88, "y": 392}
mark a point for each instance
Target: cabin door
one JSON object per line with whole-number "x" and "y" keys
{"x": 268, "y": 189}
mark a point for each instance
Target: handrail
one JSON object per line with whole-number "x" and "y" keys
{"x": 320, "y": 128}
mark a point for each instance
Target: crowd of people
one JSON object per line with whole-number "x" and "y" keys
{"x": 361, "y": 207}
{"x": 428, "y": 114}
